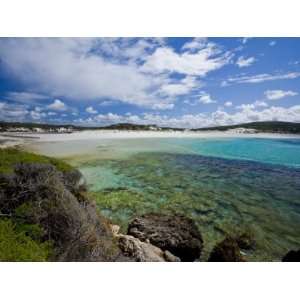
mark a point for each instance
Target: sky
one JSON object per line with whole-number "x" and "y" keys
{"x": 178, "y": 82}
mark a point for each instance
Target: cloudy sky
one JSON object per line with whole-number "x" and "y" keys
{"x": 184, "y": 82}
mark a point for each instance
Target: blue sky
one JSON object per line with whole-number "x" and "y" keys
{"x": 184, "y": 82}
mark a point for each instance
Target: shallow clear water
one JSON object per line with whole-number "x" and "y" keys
{"x": 226, "y": 185}
{"x": 276, "y": 151}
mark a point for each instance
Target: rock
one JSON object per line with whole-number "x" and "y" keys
{"x": 292, "y": 256}
{"x": 170, "y": 257}
{"x": 143, "y": 252}
{"x": 246, "y": 241}
{"x": 226, "y": 251}
{"x": 114, "y": 229}
{"x": 175, "y": 233}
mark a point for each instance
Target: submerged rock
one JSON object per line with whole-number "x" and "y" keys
{"x": 246, "y": 241}
{"x": 175, "y": 233}
{"x": 226, "y": 251}
{"x": 292, "y": 256}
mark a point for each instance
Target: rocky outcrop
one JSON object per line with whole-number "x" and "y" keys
{"x": 174, "y": 233}
{"x": 226, "y": 251}
{"x": 144, "y": 252}
{"x": 40, "y": 194}
{"x": 292, "y": 256}
{"x": 246, "y": 241}
{"x": 141, "y": 251}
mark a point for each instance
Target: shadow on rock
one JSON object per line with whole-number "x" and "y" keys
{"x": 174, "y": 233}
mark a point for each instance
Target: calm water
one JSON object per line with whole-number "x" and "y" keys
{"x": 275, "y": 151}
{"x": 226, "y": 185}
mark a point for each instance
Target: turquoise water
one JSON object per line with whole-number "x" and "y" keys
{"x": 275, "y": 151}
{"x": 227, "y": 185}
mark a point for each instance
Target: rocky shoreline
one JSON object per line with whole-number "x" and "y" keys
{"x": 175, "y": 238}
{"x": 53, "y": 198}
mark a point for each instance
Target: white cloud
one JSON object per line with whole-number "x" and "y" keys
{"x": 253, "y": 105}
{"x": 108, "y": 103}
{"x": 247, "y": 113}
{"x": 207, "y": 59}
{"x": 163, "y": 106}
{"x": 132, "y": 49}
{"x": 25, "y": 97}
{"x": 57, "y": 105}
{"x": 195, "y": 44}
{"x": 13, "y": 112}
{"x": 259, "y": 103}
{"x": 77, "y": 69}
{"x": 228, "y": 103}
{"x": 37, "y": 115}
{"x": 91, "y": 110}
{"x": 175, "y": 89}
{"x": 260, "y": 78}
{"x": 205, "y": 98}
{"x": 278, "y": 94}
{"x": 245, "y": 62}
{"x": 182, "y": 87}
{"x": 245, "y": 40}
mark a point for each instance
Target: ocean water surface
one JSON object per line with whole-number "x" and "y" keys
{"x": 227, "y": 185}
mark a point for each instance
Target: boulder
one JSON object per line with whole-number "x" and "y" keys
{"x": 246, "y": 241}
{"x": 143, "y": 252}
{"x": 174, "y": 233}
{"x": 170, "y": 257}
{"x": 226, "y": 251}
{"x": 292, "y": 256}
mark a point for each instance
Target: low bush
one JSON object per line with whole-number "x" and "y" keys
{"x": 11, "y": 156}
{"x": 17, "y": 245}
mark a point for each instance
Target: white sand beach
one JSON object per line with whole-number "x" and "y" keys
{"x": 19, "y": 138}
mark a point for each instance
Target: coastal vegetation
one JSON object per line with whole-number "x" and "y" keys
{"x": 264, "y": 126}
{"x": 22, "y": 242}
{"x": 9, "y": 157}
{"x": 46, "y": 215}
{"x": 268, "y": 126}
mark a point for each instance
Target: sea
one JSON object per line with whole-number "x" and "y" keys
{"x": 228, "y": 186}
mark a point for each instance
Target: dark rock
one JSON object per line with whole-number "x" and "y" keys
{"x": 175, "y": 233}
{"x": 292, "y": 256}
{"x": 170, "y": 257}
{"x": 246, "y": 241}
{"x": 226, "y": 251}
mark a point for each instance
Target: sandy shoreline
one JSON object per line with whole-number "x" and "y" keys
{"x": 15, "y": 139}
{"x": 115, "y": 134}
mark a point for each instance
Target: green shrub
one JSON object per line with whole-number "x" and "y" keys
{"x": 16, "y": 244}
{"x": 11, "y": 156}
